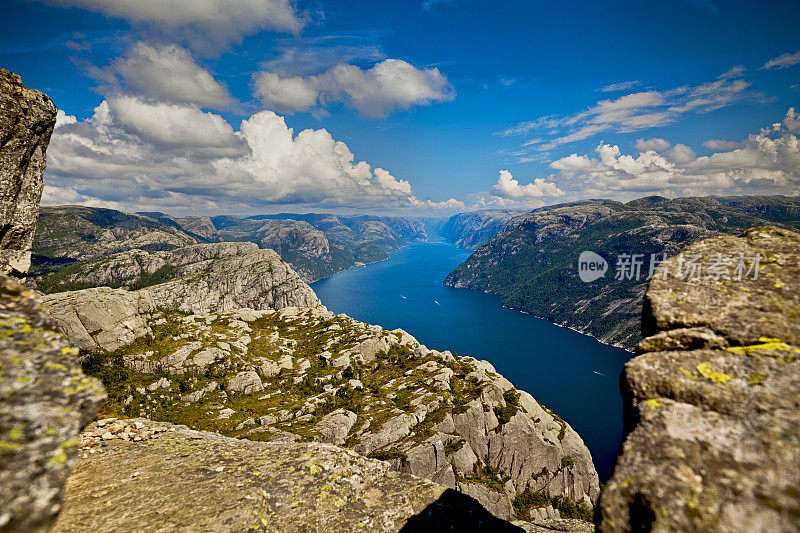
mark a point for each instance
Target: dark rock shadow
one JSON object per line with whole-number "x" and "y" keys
{"x": 455, "y": 511}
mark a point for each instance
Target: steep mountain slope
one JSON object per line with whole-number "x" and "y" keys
{"x": 67, "y": 234}
{"x": 532, "y": 266}
{"x": 315, "y": 245}
{"x": 471, "y": 230}
{"x": 318, "y": 246}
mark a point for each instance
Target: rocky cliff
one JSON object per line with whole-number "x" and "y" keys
{"x": 199, "y": 279}
{"x": 471, "y": 230}
{"x": 305, "y": 374}
{"x": 532, "y": 266}
{"x": 27, "y": 119}
{"x": 713, "y": 402}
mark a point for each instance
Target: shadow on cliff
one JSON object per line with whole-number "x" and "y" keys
{"x": 455, "y": 511}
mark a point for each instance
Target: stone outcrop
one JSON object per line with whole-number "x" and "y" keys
{"x": 179, "y": 479}
{"x": 101, "y": 318}
{"x": 45, "y": 400}
{"x": 207, "y": 278}
{"x": 713, "y": 402}
{"x": 27, "y": 119}
{"x": 250, "y": 278}
{"x": 302, "y": 373}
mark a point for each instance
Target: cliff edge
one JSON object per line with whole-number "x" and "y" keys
{"x": 712, "y": 402}
{"x": 27, "y": 119}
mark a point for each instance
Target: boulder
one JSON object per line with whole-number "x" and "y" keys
{"x": 27, "y": 119}
{"x": 334, "y": 427}
{"x": 247, "y": 382}
{"x": 712, "y": 406}
{"x": 45, "y": 400}
{"x": 100, "y": 318}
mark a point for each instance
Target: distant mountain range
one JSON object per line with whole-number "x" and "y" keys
{"x": 530, "y": 261}
{"x": 315, "y": 245}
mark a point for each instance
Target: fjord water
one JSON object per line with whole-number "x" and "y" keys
{"x": 571, "y": 373}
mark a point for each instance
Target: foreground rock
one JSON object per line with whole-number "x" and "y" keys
{"x": 178, "y": 479}
{"x": 45, "y": 400}
{"x": 27, "y": 118}
{"x": 713, "y": 405}
{"x": 306, "y": 374}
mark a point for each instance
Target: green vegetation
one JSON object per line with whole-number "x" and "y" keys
{"x": 388, "y": 455}
{"x": 530, "y": 499}
{"x": 505, "y": 413}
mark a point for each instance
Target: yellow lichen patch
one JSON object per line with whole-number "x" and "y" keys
{"x": 711, "y": 375}
{"x": 59, "y": 459}
{"x": 9, "y": 446}
{"x": 779, "y": 284}
{"x": 69, "y": 351}
{"x": 49, "y": 365}
{"x": 653, "y": 403}
{"x": 766, "y": 344}
{"x": 757, "y": 378}
{"x": 688, "y": 373}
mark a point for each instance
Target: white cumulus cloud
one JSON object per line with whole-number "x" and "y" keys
{"x": 508, "y": 187}
{"x": 375, "y": 92}
{"x": 768, "y": 162}
{"x": 144, "y": 156}
{"x": 169, "y": 73}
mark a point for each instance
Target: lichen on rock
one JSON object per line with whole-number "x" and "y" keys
{"x": 45, "y": 400}
{"x": 713, "y": 402}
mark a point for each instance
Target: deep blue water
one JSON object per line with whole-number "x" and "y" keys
{"x": 573, "y": 374}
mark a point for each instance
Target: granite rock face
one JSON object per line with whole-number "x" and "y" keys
{"x": 187, "y": 480}
{"x": 713, "y": 402}
{"x": 101, "y": 318}
{"x": 301, "y": 373}
{"x": 27, "y": 119}
{"x": 45, "y": 401}
{"x": 202, "y": 278}
{"x": 249, "y": 278}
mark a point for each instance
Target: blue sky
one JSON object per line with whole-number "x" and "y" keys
{"x": 431, "y": 107}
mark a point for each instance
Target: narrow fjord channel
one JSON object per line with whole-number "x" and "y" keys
{"x": 571, "y": 373}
